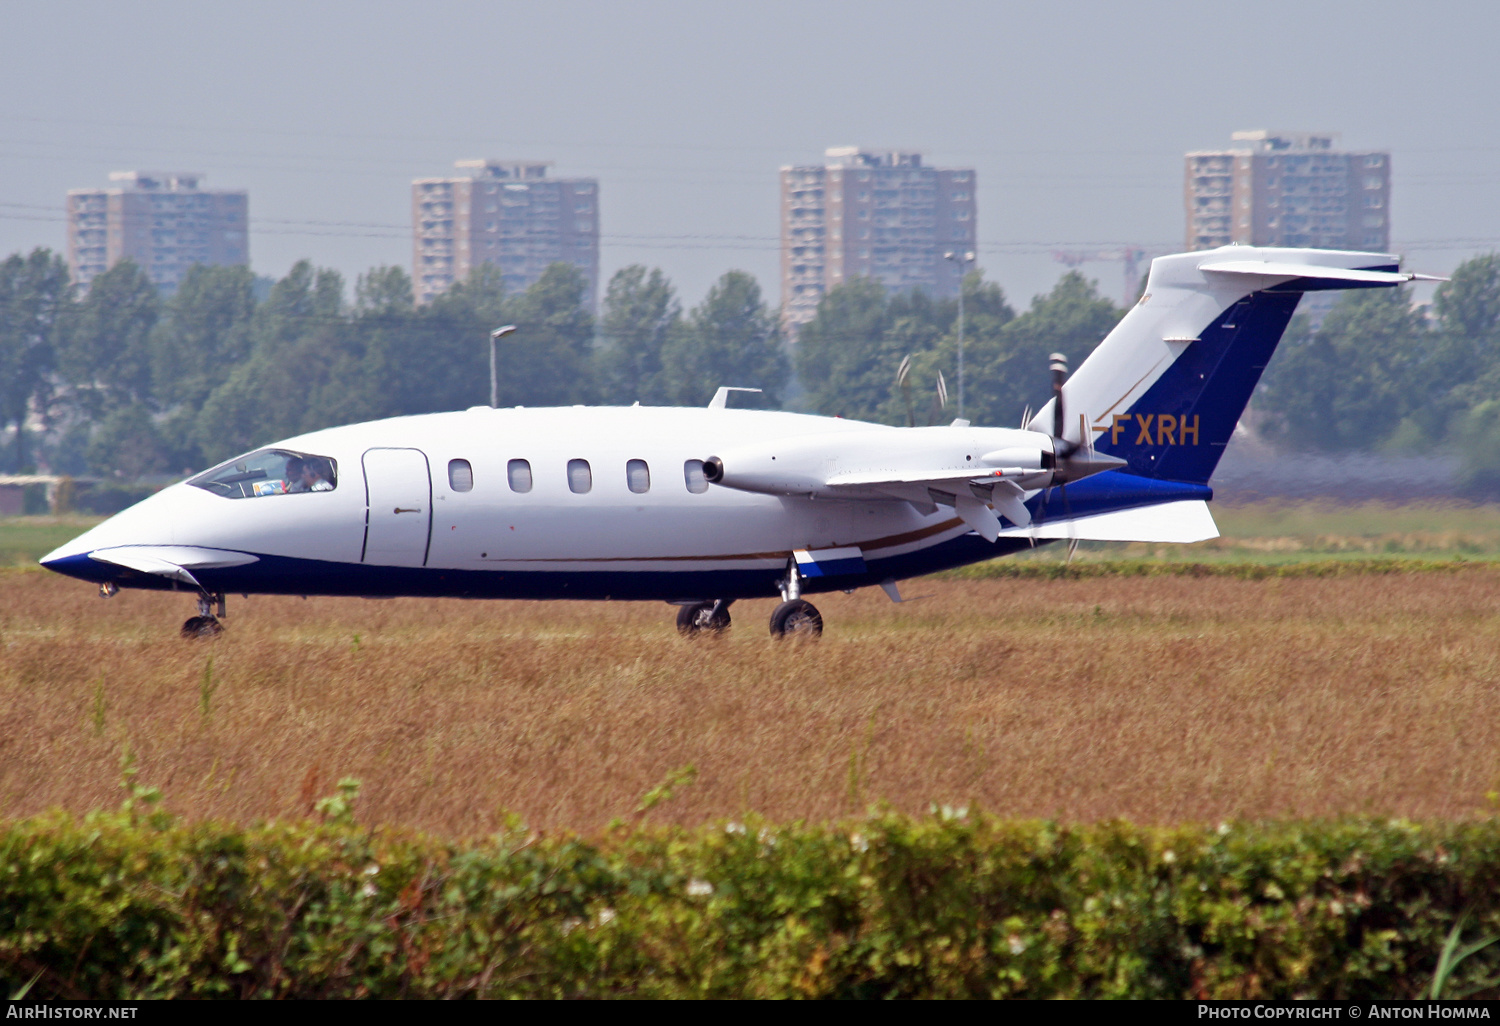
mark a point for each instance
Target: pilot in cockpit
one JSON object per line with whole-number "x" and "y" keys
{"x": 308, "y": 474}
{"x": 296, "y": 470}
{"x": 316, "y": 474}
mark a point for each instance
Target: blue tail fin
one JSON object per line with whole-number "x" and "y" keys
{"x": 1166, "y": 388}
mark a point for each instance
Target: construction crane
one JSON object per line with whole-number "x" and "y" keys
{"x": 1130, "y": 256}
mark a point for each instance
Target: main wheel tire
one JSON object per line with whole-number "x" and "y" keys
{"x": 202, "y": 627}
{"x": 797, "y": 618}
{"x": 699, "y": 617}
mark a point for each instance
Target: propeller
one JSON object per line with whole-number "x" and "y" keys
{"x": 1058, "y": 365}
{"x": 1072, "y": 461}
{"x": 903, "y": 381}
{"x": 939, "y": 401}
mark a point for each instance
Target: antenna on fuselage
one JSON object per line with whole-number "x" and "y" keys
{"x": 495, "y": 337}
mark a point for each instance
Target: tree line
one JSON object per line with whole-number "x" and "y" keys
{"x": 127, "y": 383}
{"x": 1378, "y": 374}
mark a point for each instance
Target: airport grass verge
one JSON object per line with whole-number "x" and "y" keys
{"x": 129, "y": 905}
{"x": 1086, "y": 569}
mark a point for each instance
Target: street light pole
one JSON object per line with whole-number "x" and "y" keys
{"x": 495, "y": 337}
{"x": 963, "y": 260}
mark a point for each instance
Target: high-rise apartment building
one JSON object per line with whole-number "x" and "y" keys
{"x": 882, "y": 215}
{"x": 163, "y": 220}
{"x": 1288, "y": 189}
{"x": 507, "y": 213}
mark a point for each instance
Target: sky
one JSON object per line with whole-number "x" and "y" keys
{"x": 1075, "y": 115}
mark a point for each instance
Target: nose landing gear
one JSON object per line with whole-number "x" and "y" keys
{"x": 206, "y": 624}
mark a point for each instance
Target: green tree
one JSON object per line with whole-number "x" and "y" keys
{"x": 1352, "y": 382}
{"x": 303, "y": 373}
{"x": 987, "y": 354}
{"x": 641, "y": 315}
{"x": 1468, "y": 304}
{"x": 731, "y": 339}
{"x": 128, "y": 444}
{"x": 204, "y": 334}
{"x": 547, "y": 362}
{"x": 849, "y": 353}
{"x": 34, "y": 290}
{"x": 384, "y": 290}
{"x": 1477, "y": 434}
{"x": 1007, "y": 364}
{"x": 417, "y": 360}
{"x": 847, "y": 356}
{"x": 1465, "y": 369}
{"x": 104, "y": 341}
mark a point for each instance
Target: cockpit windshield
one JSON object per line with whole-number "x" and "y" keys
{"x": 270, "y": 472}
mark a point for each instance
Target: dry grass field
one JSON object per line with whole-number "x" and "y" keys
{"x": 1163, "y": 699}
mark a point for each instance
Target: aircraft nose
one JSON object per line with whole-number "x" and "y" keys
{"x": 79, "y": 565}
{"x": 147, "y": 522}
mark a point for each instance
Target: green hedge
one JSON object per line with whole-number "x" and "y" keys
{"x": 1058, "y": 570}
{"x": 116, "y": 906}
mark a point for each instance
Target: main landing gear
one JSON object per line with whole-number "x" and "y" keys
{"x": 206, "y": 624}
{"x": 795, "y": 617}
{"x": 703, "y": 617}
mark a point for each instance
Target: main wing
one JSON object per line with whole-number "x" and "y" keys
{"x": 971, "y": 493}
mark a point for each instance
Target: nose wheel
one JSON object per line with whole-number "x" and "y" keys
{"x": 206, "y": 624}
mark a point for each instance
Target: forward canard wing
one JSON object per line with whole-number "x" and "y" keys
{"x": 176, "y": 562}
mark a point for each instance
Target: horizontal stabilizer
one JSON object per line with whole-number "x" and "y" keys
{"x": 173, "y": 561}
{"x": 1278, "y": 269}
{"x": 1185, "y": 521}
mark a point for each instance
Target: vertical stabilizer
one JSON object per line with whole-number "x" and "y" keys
{"x": 1166, "y": 387}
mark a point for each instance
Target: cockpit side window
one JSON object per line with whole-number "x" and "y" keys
{"x": 270, "y": 472}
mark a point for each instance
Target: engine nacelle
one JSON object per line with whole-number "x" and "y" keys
{"x": 1029, "y": 457}
{"x": 835, "y": 465}
{"x": 778, "y": 474}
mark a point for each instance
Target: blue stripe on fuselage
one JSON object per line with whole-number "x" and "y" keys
{"x": 284, "y": 575}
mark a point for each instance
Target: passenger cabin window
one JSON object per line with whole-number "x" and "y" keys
{"x": 270, "y": 472}
{"x": 693, "y": 471}
{"x": 638, "y": 476}
{"x": 580, "y": 477}
{"x": 460, "y": 475}
{"x": 519, "y": 474}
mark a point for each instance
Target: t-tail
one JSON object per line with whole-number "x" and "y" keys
{"x": 1167, "y": 386}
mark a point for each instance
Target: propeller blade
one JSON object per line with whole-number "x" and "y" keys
{"x": 1059, "y": 368}
{"x": 1025, "y": 416}
{"x": 903, "y": 376}
{"x": 942, "y": 391}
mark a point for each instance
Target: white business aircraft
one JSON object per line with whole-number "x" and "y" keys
{"x": 700, "y": 507}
